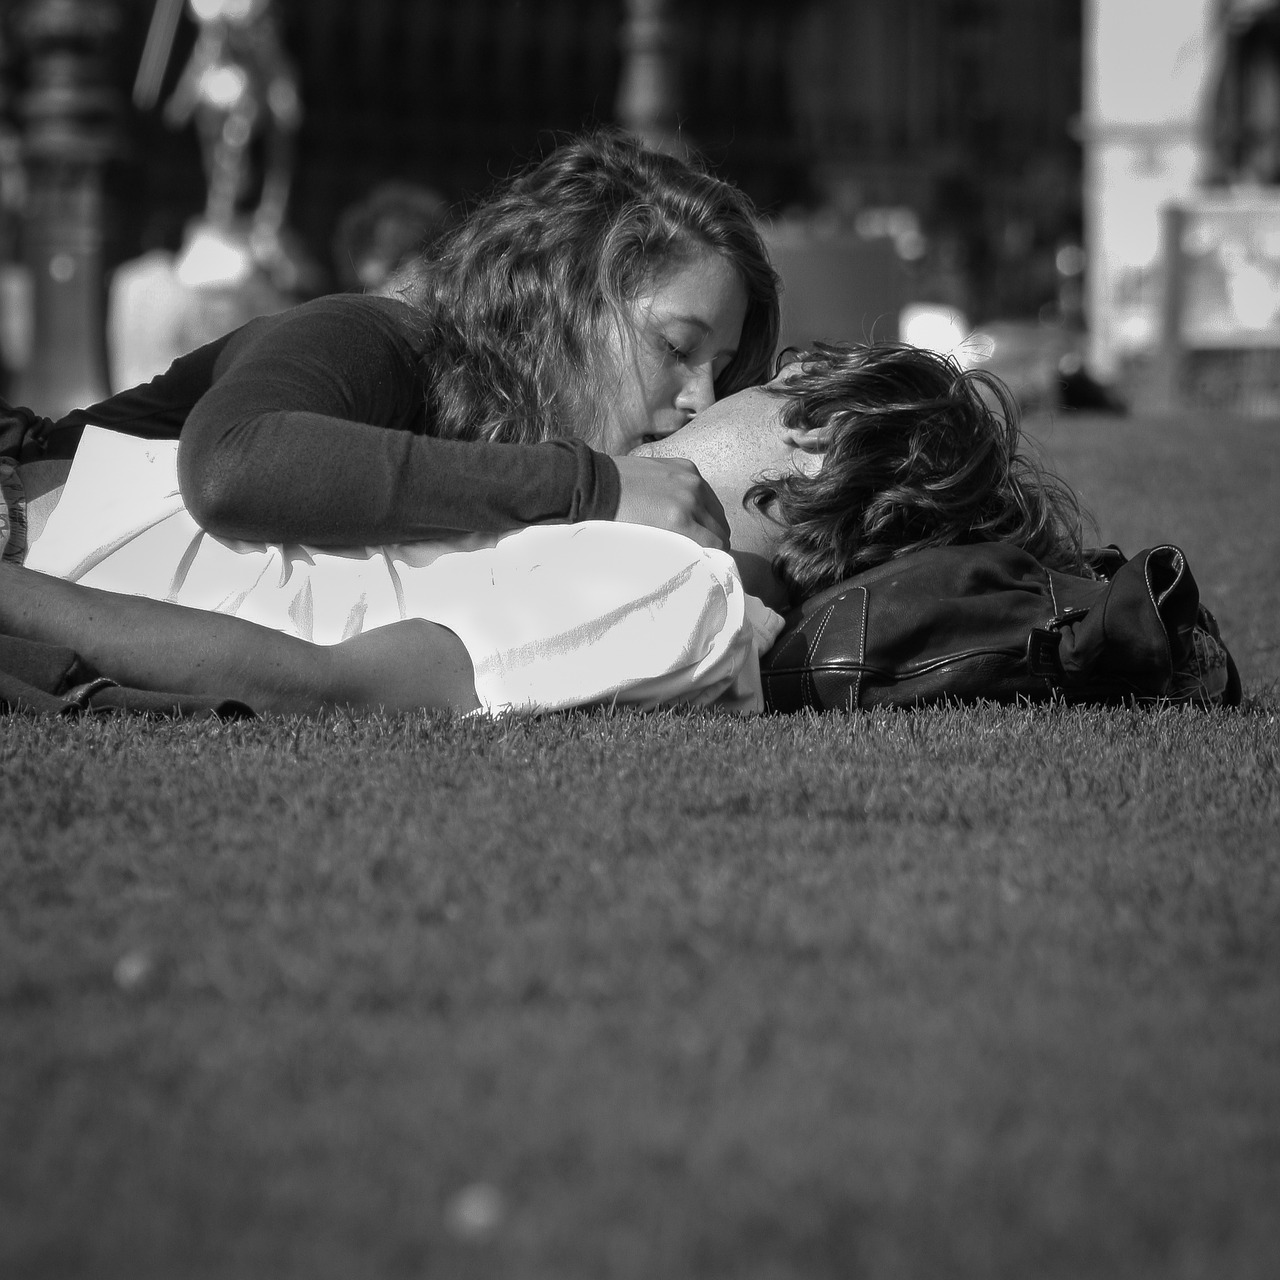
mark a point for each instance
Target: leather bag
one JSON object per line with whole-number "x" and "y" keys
{"x": 988, "y": 621}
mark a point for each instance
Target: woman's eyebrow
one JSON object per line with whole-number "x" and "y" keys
{"x": 707, "y": 330}
{"x": 699, "y": 323}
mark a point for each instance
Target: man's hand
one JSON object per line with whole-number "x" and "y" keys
{"x": 670, "y": 493}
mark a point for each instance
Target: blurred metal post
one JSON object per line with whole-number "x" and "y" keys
{"x": 648, "y": 93}
{"x": 69, "y": 112}
{"x": 15, "y": 306}
{"x": 1168, "y": 392}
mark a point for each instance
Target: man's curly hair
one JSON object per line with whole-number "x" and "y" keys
{"x": 918, "y": 453}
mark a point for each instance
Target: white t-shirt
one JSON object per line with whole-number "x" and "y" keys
{"x": 552, "y": 616}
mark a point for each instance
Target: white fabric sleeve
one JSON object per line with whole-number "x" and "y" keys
{"x": 553, "y": 616}
{"x": 562, "y": 615}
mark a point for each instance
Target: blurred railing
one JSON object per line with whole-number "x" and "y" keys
{"x": 957, "y": 111}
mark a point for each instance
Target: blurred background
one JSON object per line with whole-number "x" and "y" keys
{"x": 1077, "y": 193}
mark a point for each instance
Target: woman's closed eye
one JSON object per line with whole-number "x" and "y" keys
{"x": 692, "y": 354}
{"x": 682, "y": 342}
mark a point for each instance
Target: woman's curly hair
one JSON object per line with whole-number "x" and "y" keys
{"x": 520, "y": 299}
{"x": 918, "y": 453}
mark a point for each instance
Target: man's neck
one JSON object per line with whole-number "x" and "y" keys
{"x": 759, "y": 579}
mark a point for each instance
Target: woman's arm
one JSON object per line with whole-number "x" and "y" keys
{"x": 315, "y": 429}
{"x": 150, "y": 644}
{"x": 310, "y": 426}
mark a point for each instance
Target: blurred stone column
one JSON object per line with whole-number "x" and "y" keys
{"x": 648, "y": 90}
{"x": 69, "y": 113}
{"x": 1145, "y": 131}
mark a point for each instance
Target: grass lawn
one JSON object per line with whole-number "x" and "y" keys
{"x": 986, "y": 992}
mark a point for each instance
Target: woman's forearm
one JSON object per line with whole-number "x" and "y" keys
{"x": 151, "y": 644}
{"x": 293, "y": 476}
{"x": 313, "y": 427}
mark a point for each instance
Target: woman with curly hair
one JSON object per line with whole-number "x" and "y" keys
{"x": 597, "y": 301}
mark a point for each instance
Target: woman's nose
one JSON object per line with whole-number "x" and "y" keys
{"x": 699, "y": 390}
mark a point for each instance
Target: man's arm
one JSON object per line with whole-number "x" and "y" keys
{"x": 152, "y": 644}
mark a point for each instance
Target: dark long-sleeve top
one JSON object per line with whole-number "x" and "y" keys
{"x": 312, "y": 426}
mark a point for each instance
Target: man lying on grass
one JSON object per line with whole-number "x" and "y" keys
{"x": 850, "y": 456}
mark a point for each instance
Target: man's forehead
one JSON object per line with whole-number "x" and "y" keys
{"x": 732, "y": 426}
{"x": 753, "y": 406}
{"x": 750, "y": 417}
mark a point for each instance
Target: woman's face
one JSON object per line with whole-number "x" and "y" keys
{"x": 684, "y": 331}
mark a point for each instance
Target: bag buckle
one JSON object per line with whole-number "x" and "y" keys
{"x": 1042, "y": 654}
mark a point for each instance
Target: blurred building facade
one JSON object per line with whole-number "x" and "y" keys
{"x": 1145, "y": 134}
{"x": 1181, "y": 133}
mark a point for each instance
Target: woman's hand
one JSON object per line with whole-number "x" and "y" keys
{"x": 670, "y": 493}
